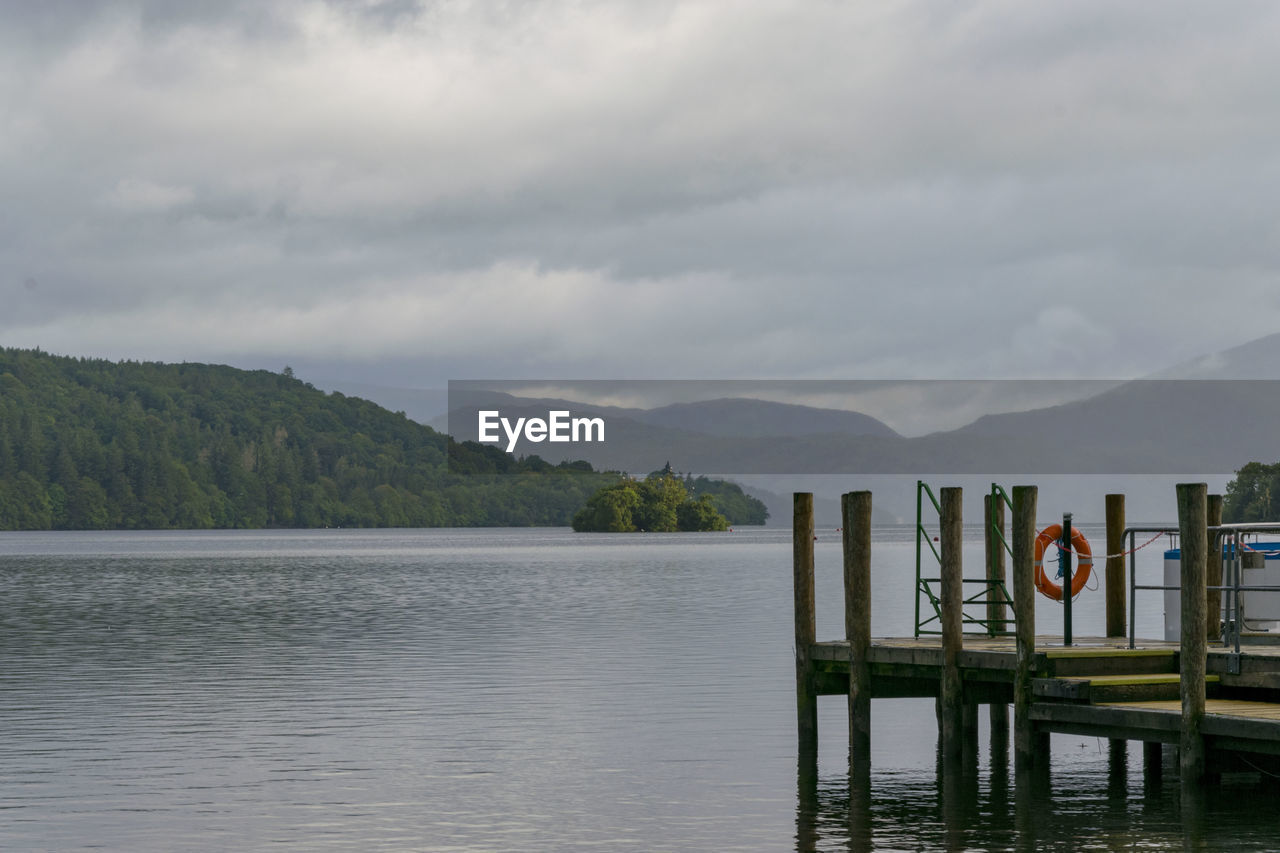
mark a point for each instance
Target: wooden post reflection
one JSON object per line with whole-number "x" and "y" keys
{"x": 951, "y": 789}
{"x": 860, "y": 835}
{"x": 807, "y": 801}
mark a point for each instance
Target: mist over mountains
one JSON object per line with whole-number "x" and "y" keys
{"x": 1204, "y": 419}
{"x": 1140, "y": 427}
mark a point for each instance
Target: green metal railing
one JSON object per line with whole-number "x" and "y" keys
{"x": 924, "y": 585}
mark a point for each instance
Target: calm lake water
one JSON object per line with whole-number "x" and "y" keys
{"x": 500, "y": 690}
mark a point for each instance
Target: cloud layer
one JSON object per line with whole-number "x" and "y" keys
{"x": 652, "y": 189}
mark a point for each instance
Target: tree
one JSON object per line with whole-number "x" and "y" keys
{"x": 700, "y": 515}
{"x": 729, "y": 498}
{"x": 609, "y": 510}
{"x": 661, "y": 496}
{"x": 1254, "y": 494}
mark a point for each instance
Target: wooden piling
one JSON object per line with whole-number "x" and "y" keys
{"x": 1192, "y": 515}
{"x": 1116, "y": 591}
{"x": 1115, "y": 577}
{"x": 952, "y": 598}
{"x": 997, "y": 610}
{"x": 856, "y": 517}
{"x": 969, "y": 730}
{"x": 1118, "y": 776}
{"x": 1152, "y": 762}
{"x": 993, "y": 520}
{"x": 1023, "y": 537}
{"x": 806, "y": 627}
{"x": 1213, "y": 570}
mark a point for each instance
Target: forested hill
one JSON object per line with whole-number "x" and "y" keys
{"x": 93, "y": 444}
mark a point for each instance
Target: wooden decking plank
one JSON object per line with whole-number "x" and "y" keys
{"x": 1128, "y": 680}
{"x": 1062, "y": 653}
{"x": 1116, "y": 717}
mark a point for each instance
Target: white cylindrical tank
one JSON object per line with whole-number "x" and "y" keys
{"x": 1261, "y": 610}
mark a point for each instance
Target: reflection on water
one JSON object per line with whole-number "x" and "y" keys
{"x": 973, "y": 806}
{"x": 498, "y": 690}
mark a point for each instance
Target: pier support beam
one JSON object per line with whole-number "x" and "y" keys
{"x": 806, "y": 627}
{"x": 1213, "y": 570}
{"x": 1118, "y": 780}
{"x": 952, "y": 689}
{"x": 1192, "y": 514}
{"x": 1115, "y": 567}
{"x": 1152, "y": 763}
{"x": 1026, "y": 741}
{"x": 856, "y": 517}
{"x": 997, "y": 611}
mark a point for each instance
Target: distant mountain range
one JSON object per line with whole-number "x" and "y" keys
{"x": 750, "y": 418}
{"x": 722, "y": 418}
{"x": 1255, "y": 359}
{"x": 1171, "y": 423}
{"x": 1138, "y": 427}
{"x": 743, "y": 418}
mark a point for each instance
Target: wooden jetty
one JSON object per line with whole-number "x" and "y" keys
{"x": 1216, "y": 705}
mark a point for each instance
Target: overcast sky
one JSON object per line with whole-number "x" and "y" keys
{"x": 411, "y": 192}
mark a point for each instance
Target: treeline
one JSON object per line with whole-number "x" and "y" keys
{"x": 94, "y": 444}
{"x": 729, "y": 498}
{"x": 1254, "y": 494}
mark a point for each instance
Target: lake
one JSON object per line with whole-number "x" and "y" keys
{"x": 539, "y": 690}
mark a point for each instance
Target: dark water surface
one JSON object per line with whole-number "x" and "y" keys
{"x": 500, "y": 690}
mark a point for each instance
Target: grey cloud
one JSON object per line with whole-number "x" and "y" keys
{"x": 787, "y": 190}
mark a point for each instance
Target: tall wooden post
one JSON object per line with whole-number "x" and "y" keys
{"x": 856, "y": 516}
{"x": 1115, "y": 583}
{"x": 993, "y": 521}
{"x": 1192, "y": 514}
{"x": 952, "y": 596}
{"x": 1213, "y": 570}
{"x": 997, "y": 609}
{"x": 806, "y": 627}
{"x": 1116, "y": 592}
{"x": 1023, "y": 532}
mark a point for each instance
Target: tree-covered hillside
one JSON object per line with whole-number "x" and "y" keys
{"x": 93, "y": 444}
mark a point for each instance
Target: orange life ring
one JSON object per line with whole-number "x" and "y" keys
{"x": 1079, "y": 577}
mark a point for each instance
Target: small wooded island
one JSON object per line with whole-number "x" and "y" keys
{"x": 664, "y": 503}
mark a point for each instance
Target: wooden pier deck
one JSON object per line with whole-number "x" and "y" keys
{"x": 1097, "y": 687}
{"x": 1218, "y": 706}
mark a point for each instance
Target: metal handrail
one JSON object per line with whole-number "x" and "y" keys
{"x": 1130, "y": 534}
{"x": 922, "y": 488}
{"x": 1235, "y": 570}
{"x": 1232, "y": 584}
